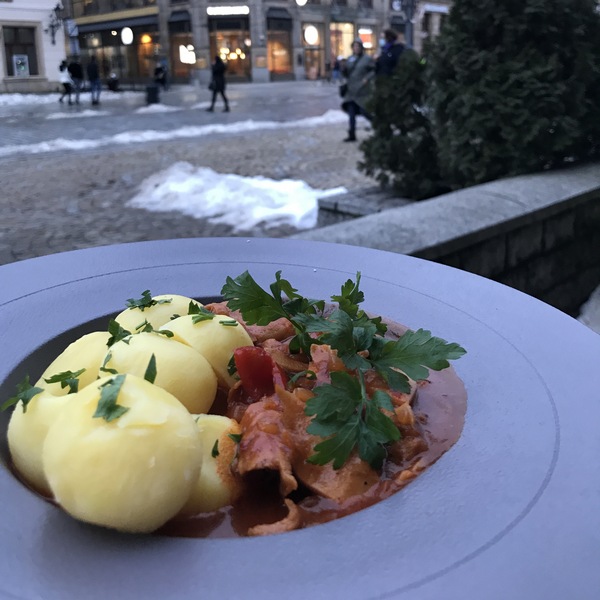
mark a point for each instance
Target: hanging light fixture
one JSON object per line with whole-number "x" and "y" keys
{"x": 56, "y": 20}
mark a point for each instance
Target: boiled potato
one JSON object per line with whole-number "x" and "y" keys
{"x": 216, "y": 487}
{"x": 180, "y": 370}
{"x": 157, "y": 314}
{"x": 85, "y": 353}
{"x": 26, "y": 435}
{"x": 132, "y": 473}
{"x": 215, "y": 341}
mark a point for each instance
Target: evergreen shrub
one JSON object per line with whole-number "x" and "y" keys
{"x": 509, "y": 87}
{"x": 401, "y": 152}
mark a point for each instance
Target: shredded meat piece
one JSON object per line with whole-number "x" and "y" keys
{"x": 324, "y": 360}
{"x": 266, "y": 443}
{"x": 279, "y": 329}
{"x": 354, "y": 478}
{"x": 292, "y": 521}
{"x": 281, "y": 357}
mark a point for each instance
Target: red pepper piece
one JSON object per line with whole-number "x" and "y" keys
{"x": 258, "y": 373}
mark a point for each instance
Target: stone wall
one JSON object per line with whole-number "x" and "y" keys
{"x": 539, "y": 234}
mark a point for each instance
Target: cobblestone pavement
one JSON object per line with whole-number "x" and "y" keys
{"x": 65, "y": 200}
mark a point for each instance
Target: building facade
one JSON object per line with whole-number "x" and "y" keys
{"x": 32, "y": 45}
{"x": 261, "y": 40}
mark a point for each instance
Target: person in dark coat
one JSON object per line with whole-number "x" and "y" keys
{"x": 76, "y": 72}
{"x": 217, "y": 83}
{"x": 359, "y": 71}
{"x": 390, "y": 54}
{"x": 93, "y": 73}
{"x": 160, "y": 75}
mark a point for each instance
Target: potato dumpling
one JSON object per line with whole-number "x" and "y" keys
{"x": 85, "y": 353}
{"x": 132, "y": 473}
{"x": 216, "y": 487}
{"x": 215, "y": 339}
{"x": 157, "y": 314}
{"x": 27, "y": 433}
{"x": 180, "y": 369}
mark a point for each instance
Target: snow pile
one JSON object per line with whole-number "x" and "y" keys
{"x": 240, "y": 202}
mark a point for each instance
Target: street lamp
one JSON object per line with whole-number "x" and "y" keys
{"x": 56, "y": 19}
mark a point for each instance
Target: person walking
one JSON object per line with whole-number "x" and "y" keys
{"x": 391, "y": 51}
{"x": 76, "y": 72}
{"x": 93, "y": 73}
{"x": 217, "y": 83}
{"x": 160, "y": 75}
{"x": 359, "y": 72}
{"x": 67, "y": 82}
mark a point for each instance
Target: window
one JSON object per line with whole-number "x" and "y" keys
{"x": 426, "y": 24}
{"x": 20, "y": 42}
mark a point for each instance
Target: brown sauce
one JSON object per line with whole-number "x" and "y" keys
{"x": 440, "y": 408}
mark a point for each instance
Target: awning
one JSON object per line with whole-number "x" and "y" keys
{"x": 435, "y": 8}
{"x": 278, "y": 13}
{"x": 107, "y": 25}
{"x": 179, "y": 16}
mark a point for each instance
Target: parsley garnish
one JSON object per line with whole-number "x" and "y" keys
{"x": 308, "y": 374}
{"x": 146, "y": 301}
{"x": 146, "y": 327}
{"x": 258, "y": 306}
{"x": 229, "y": 323}
{"x": 199, "y": 313}
{"x": 150, "y": 374}
{"x": 231, "y": 366}
{"x": 345, "y": 414}
{"x": 236, "y": 437}
{"x": 342, "y": 411}
{"x": 25, "y": 392}
{"x": 104, "y": 368}
{"x": 107, "y": 408}
{"x": 215, "y": 449}
{"x": 68, "y": 379}
{"x": 117, "y": 333}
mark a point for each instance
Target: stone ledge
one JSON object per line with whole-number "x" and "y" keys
{"x": 538, "y": 233}
{"x": 451, "y": 222}
{"x": 356, "y": 203}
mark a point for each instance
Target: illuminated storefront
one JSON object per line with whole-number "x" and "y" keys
{"x": 260, "y": 40}
{"x": 314, "y": 50}
{"x": 279, "y": 44}
{"x": 131, "y": 62}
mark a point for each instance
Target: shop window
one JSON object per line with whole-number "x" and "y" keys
{"x": 368, "y": 39}
{"x": 365, "y": 4}
{"x": 341, "y": 38}
{"x": 230, "y": 39}
{"x": 279, "y": 46}
{"x": 314, "y": 52}
{"x": 20, "y": 51}
{"x": 426, "y": 24}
